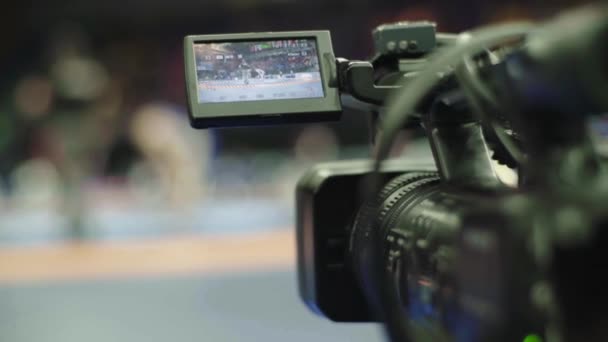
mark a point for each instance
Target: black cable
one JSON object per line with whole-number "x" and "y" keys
{"x": 402, "y": 104}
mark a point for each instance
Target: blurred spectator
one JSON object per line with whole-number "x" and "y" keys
{"x": 171, "y": 152}
{"x": 34, "y": 95}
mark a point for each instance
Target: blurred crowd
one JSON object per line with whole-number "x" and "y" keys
{"x": 72, "y": 119}
{"x": 85, "y": 130}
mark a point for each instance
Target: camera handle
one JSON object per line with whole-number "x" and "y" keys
{"x": 356, "y": 78}
{"x": 458, "y": 144}
{"x": 404, "y": 44}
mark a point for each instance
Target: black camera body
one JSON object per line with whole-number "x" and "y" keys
{"x": 452, "y": 247}
{"x": 421, "y": 219}
{"x": 448, "y": 250}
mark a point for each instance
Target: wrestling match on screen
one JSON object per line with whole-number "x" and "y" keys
{"x": 257, "y": 70}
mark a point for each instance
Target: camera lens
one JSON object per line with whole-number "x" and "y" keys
{"x": 377, "y": 217}
{"x": 412, "y": 224}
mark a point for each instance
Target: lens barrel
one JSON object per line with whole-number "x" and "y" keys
{"x": 414, "y": 221}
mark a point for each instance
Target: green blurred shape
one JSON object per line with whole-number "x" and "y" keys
{"x": 533, "y": 338}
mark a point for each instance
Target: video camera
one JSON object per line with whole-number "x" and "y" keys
{"x": 447, "y": 251}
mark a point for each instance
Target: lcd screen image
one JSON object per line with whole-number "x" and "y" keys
{"x": 258, "y": 70}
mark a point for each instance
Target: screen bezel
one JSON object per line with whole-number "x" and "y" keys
{"x": 214, "y": 114}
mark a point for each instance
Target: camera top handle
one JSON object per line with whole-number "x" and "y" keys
{"x": 400, "y": 50}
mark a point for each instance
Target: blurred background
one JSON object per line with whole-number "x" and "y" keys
{"x": 118, "y": 222}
